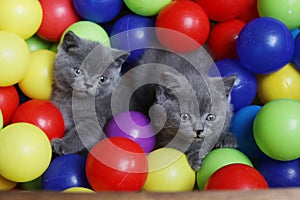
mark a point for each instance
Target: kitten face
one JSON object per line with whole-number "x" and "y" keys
{"x": 194, "y": 118}
{"x": 87, "y": 68}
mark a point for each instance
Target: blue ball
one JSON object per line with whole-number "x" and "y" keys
{"x": 245, "y": 86}
{"x": 65, "y": 172}
{"x": 296, "y": 56}
{"x": 98, "y": 11}
{"x": 265, "y": 45}
{"x": 133, "y": 33}
{"x": 242, "y": 129}
{"x": 280, "y": 173}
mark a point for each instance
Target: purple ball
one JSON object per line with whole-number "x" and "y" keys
{"x": 133, "y": 125}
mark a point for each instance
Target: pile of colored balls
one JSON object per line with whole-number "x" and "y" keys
{"x": 255, "y": 40}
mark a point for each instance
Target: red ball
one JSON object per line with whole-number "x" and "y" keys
{"x": 9, "y": 101}
{"x": 236, "y": 177}
{"x": 117, "y": 164}
{"x": 43, "y": 114}
{"x": 221, "y": 10}
{"x": 222, "y": 39}
{"x": 57, "y": 16}
{"x": 250, "y": 12}
{"x": 183, "y": 26}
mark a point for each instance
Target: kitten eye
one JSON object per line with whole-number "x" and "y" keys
{"x": 211, "y": 117}
{"x": 185, "y": 116}
{"x": 78, "y": 72}
{"x": 103, "y": 79}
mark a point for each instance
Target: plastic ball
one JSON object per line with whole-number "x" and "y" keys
{"x": 222, "y": 39}
{"x": 14, "y": 58}
{"x": 250, "y": 12}
{"x": 37, "y": 43}
{"x": 40, "y": 71}
{"x": 242, "y": 128}
{"x": 43, "y": 114}
{"x": 131, "y": 32}
{"x": 21, "y": 17}
{"x": 78, "y": 190}
{"x": 126, "y": 170}
{"x": 133, "y": 125}
{"x": 220, "y": 10}
{"x": 284, "y": 83}
{"x": 169, "y": 171}
{"x": 65, "y": 172}
{"x": 98, "y": 11}
{"x": 236, "y": 177}
{"x": 286, "y": 11}
{"x": 265, "y": 45}
{"x": 25, "y": 152}
{"x": 90, "y": 31}
{"x": 245, "y": 86}
{"x": 1, "y": 120}
{"x": 183, "y": 26}
{"x": 33, "y": 185}
{"x": 217, "y": 159}
{"x": 146, "y": 8}
{"x": 9, "y": 101}
{"x": 277, "y": 131}
{"x": 6, "y": 185}
{"x": 57, "y": 16}
{"x": 281, "y": 174}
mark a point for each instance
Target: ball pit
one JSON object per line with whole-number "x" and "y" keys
{"x": 65, "y": 172}
{"x": 169, "y": 171}
{"x": 43, "y": 114}
{"x": 265, "y": 45}
{"x": 14, "y": 58}
{"x": 132, "y": 125}
{"x": 40, "y": 71}
{"x": 127, "y": 170}
{"x": 284, "y": 83}
{"x": 276, "y": 129}
{"x": 21, "y": 17}
{"x": 269, "y": 64}
{"x": 25, "y": 152}
{"x": 9, "y": 101}
{"x": 236, "y": 177}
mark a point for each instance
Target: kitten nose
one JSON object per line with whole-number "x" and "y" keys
{"x": 198, "y": 132}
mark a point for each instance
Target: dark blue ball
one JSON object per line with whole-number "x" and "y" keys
{"x": 280, "y": 173}
{"x": 245, "y": 86}
{"x": 265, "y": 45}
{"x": 65, "y": 172}
{"x": 98, "y": 11}
{"x": 296, "y": 56}
{"x": 133, "y": 33}
{"x": 242, "y": 129}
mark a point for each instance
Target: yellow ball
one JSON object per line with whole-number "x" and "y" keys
{"x": 6, "y": 185}
{"x": 14, "y": 58}
{"x": 1, "y": 120}
{"x": 284, "y": 83}
{"x": 78, "y": 190}
{"x": 25, "y": 152}
{"x": 22, "y": 17}
{"x": 37, "y": 83}
{"x": 169, "y": 171}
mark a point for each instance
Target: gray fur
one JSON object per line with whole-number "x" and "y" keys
{"x": 177, "y": 86}
{"x": 83, "y": 97}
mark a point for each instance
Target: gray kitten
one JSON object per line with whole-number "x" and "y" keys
{"x": 189, "y": 110}
{"x": 84, "y": 76}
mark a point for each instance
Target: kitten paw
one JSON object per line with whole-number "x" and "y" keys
{"x": 57, "y": 146}
{"x": 194, "y": 161}
{"x": 227, "y": 141}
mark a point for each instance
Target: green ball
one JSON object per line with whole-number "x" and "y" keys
{"x": 33, "y": 185}
{"x": 276, "y": 129}
{"x": 37, "y": 43}
{"x": 89, "y": 30}
{"x": 219, "y": 158}
{"x": 286, "y": 11}
{"x": 146, "y": 7}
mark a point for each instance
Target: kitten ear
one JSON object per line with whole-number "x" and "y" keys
{"x": 228, "y": 84}
{"x": 70, "y": 41}
{"x": 120, "y": 56}
{"x": 170, "y": 80}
